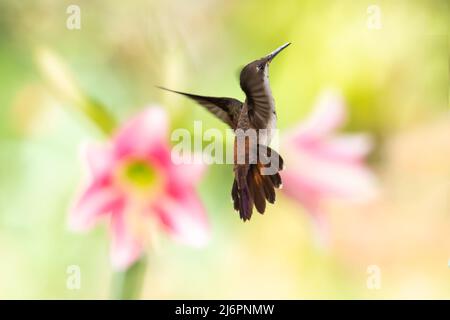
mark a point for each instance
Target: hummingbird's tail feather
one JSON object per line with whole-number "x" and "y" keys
{"x": 252, "y": 188}
{"x": 242, "y": 198}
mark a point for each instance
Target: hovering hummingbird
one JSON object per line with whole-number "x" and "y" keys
{"x": 251, "y": 186}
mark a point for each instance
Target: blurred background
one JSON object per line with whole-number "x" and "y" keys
{"x": 394, "y": 77}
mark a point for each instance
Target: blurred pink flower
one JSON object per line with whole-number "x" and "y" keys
{"x": 133, "y": 182}
{"x": 321, "y": 164}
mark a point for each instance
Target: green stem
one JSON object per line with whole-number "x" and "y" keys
{"x": 61, "y": 80}
{"x": 98, "y": 114}
{"x": 127, "y": 284}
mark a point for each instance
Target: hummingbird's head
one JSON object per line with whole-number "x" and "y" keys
{"x": 259, "y": 67}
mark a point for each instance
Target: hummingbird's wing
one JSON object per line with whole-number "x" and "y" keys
{"x": 226, "y": 109}
{"x": 255, "y": 84}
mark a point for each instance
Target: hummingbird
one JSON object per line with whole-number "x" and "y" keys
{"x": 252, "y": 187}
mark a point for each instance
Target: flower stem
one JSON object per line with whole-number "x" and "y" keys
{"x": 60, "y": 78}
{"x": 127, "y": 284}
{"x": 98, "y": 114}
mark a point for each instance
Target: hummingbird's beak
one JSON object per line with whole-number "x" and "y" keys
{"x": 273, "y": 54}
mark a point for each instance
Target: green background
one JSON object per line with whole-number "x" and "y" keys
{"x": 395, "y": 83}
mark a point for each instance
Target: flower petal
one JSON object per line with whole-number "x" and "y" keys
{"x": 184, "y": 218}
{"x": 96, "y": 201}
{"x": 329, "y": 177}
{"x": 328, "y": 114}
{"x": 187, "y": 173}
{"x": 125, "y": 248}
{"x": 346, "y": 148}
{"x": 99, "y": 158}
{"x": 142, "y": 134}
{"x": 343, "y": 148}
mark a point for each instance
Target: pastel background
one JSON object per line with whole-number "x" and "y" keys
{"x": 394, "y": 82}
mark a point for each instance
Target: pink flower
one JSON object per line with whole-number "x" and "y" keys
{"x": 321, "y": 164}
{"x": 134, "y": 183}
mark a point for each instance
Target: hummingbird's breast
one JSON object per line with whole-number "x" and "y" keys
{"x": 265, "y": 136}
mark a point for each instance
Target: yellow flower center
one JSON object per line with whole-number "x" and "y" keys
{"x": 140, "y": 174}
{"x": 141, "y": 183}
{"x": 138, "y": 177}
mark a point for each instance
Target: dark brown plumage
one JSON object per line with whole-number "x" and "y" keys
{"x": 251, "y": 187}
